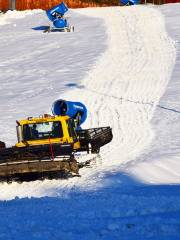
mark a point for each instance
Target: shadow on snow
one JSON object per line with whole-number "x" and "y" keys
{"x": 121, "y": 207}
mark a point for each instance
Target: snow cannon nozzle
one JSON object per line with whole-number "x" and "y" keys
{"x": 75, "y": 110}
{"x": 58, "y": 10}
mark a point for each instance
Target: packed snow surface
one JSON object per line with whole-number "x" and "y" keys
{"x": 123, "y": 63}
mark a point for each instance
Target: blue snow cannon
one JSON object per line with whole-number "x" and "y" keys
{"x": 60, "y": 23}
{"x": 129, "y": 2}
{"x": 56, "y": 16}
{"x": 75, "y": 110}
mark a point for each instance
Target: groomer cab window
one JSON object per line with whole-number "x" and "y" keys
{"x": 42, "y": 130}
{"x": 71, "y": 129}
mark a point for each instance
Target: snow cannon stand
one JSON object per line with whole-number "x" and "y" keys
{"x": 56, "y": 16}
{"x": 75, "y": 110}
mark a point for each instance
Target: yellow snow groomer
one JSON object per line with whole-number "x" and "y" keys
{"x": 46, "y": 147}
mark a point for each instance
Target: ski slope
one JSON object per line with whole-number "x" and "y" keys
{"x": 123, "y": 63}
{"x": 162, "y": 163}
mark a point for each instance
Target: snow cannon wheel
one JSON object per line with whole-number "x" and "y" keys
{"x": 71, "y": 29}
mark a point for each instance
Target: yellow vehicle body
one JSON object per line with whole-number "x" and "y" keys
{"x": 46, "y": 148}
{"x": 62, "y": 120}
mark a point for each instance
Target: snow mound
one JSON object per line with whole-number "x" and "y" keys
{"x": 11, "y": 16}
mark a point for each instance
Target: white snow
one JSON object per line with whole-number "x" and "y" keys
{"x": 160, "y": 163}
{"x": 123, "y": 63}
{"x": 10, "y": 16}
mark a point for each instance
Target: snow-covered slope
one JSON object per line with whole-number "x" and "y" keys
{"x": 119, "y": 63}
{"x": 161, "y": 162}
{"x": 36, "y": 68}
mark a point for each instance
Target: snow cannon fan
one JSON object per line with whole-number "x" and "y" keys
{"x": 56, "y": 15}
{"x": 129, "y": 2}
{"x": 75, "y": 110}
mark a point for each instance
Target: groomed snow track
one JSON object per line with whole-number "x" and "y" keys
{"x": 125, "y": 59}
{"x": 122, "y": 88}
